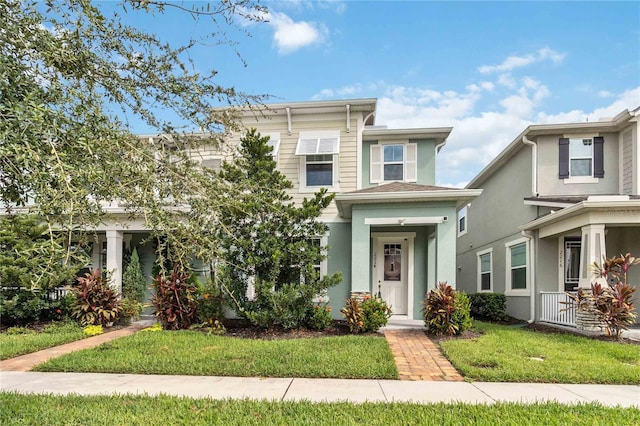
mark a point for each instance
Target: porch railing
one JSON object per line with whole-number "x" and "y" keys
{"x": 554, "y": 311}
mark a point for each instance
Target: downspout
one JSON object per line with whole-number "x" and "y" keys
{"x": 440, "y": 145}
{"x": 534, "y": 165}
{"x": 288, "y": 120}
{"x": 532, "y": 275}
{"x": 348, "y": 118}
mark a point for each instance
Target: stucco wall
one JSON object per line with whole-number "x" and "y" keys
{"x": 550, "y": 184}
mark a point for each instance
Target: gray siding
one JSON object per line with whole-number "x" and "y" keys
{"x": 627, "y": 162}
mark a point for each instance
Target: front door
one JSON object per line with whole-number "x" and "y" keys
{"x": 390, "y": 268}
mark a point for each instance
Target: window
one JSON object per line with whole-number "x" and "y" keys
{"x": 485, "y": 270}
{"x": 572, "y": 251}
{"x": 318, "y": 153}
{"x": 393, "y": 162}
{"x": 462, "y": 221}
{"x": 274, "y": 143}
{"x": 319, "y": 170}
{"x": 517, "y": 276}
{"x": 581, "y": 157}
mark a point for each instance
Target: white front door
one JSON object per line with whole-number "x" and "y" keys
{"x": 390, "y": 271}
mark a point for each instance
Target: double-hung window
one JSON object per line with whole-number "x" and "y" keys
{"x": 462, "y": 221}
{"x": 485, "y": 270}
{"x": 517, "y": 277}
{"x": 393, "y": 162}
{"x": 581, "y": 158}
{"x": 318, "y": 152}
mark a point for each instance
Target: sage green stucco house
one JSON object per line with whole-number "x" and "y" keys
{"x": 554, "y": 201}
{"x": 391, "y": 230}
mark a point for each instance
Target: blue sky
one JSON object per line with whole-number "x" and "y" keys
{"x": 488, "y": 69}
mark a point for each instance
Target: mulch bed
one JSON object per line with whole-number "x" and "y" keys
{"x": 244, "y": 329}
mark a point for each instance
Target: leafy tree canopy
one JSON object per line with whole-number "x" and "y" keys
{"x": 69, "y": 73}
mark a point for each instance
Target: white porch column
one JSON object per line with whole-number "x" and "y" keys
{"x": 114, "y": 258}
{"x": 593, "y": 250}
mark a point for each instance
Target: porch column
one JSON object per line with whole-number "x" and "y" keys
{"x": 114, "y": 258}
{"x": 431, "y": 261}
{"x": 360, "y": 250}
{"x": 593, "y": 250}
{"x": 446, "y": 253}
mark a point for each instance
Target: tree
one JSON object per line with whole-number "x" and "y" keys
{"x": 70, "y": 74}
{"x": 133, "y": 281}
{"x": 267, "y": 242}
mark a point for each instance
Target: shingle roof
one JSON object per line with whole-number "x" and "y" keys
{"x": 402, "y": 187}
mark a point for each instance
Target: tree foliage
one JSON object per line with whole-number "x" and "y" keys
{"x": 133, "y": 280}
{"x": 71, "y": 76}
{"x": 266, "y": 240}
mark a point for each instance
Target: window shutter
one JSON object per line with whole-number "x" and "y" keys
{"x": 598, "y": 157}
{"x": 411, "y": 163}
{"x": 563, "y": 161}
{"x": 376, "y": 164}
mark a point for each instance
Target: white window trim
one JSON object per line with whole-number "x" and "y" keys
{"x": 479, "y": 275}
{"x": 404, "y": 144}
{"x": 466, "y": 220}
{"x": 274, "y": 141}
{"x": 508, "y": 291}
{"x": 580, "y": 179}
{"x": 303, "y": 176}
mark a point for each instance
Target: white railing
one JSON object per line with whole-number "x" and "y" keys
{"x": 554, "y": 311}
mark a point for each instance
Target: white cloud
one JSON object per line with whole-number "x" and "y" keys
{"x": 513, "y": 62}
{"x": 605, "y": 94}
{"x": 290, "y": 36}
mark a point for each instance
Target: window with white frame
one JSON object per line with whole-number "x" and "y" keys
{"x": 485, "y": 270}
{"x": 274, "y": 143}
{"x": 517, "y": 277}
{"x": 393, "y": 162}
{"x": 462, "y": 221}
{"x": 318, "y": 152}
{"x": 581, "y": 158}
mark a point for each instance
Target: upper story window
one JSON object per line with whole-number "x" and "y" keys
{"x": 393, "y": 162}
{"x": 274, "y": 143}
{"x": 462, "y": 221}
{"x": 581, "y": 158}
{"x": 318, "y": 152}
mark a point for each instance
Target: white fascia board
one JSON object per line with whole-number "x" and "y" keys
{"x": 580, "y": 208}
{"x": 438, "y": 133}
{"x": 426, "y": 220}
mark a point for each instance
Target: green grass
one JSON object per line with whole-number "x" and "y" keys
{"x": 12, "y": 345}
{"x": 143, "y": 410}
{"x": 195, "y": 353}
{"x": 506, "y": 354}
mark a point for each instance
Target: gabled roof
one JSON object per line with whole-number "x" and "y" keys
{"x": 536, "y": 130}
{"x": 400, "y": 192}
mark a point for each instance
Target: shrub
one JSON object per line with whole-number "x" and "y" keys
{"x": 210, "y": 302}
{"x": 367, "y": 315}
{"x": 92, "y": 330}
{"x": 443, "y": 314}
{"x": 175, "y": 300}
{"x": 133, "y": 282}
{"x": 95, "y": 303}
{"x": 376, "y": 313}
{"x": 492, "y": 306}
{"x": 131, "y": 310}
{"x": 320, "y": 318}
{"x": 612, "y": 303}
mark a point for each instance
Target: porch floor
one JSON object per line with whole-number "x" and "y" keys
{"x": 418, "y": 358}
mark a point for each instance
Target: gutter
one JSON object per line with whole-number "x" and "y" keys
{"x": 534, "y": 164}
{"x": 532, "y": 275}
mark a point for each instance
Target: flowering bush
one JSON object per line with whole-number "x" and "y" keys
{"x": 92, "y": 330}
{"x": 368, "y": 315}
{"x": 320, "y": 317}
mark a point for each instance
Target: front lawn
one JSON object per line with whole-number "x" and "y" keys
{"x": 143, "y": 410}
{"x": 196, "y": 353}
{"x": 17, "y": 341}
{"x": 508, "y": 354}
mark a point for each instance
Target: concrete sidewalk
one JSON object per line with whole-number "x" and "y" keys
{"x": 316, "y": 390}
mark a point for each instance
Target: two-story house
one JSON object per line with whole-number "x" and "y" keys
{"x": 391, "y": 230}
{"x": 554, "y": 201}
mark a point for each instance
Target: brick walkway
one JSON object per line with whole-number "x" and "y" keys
{"x": 418, "y": 358}
{"x": 28, "y": 361}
